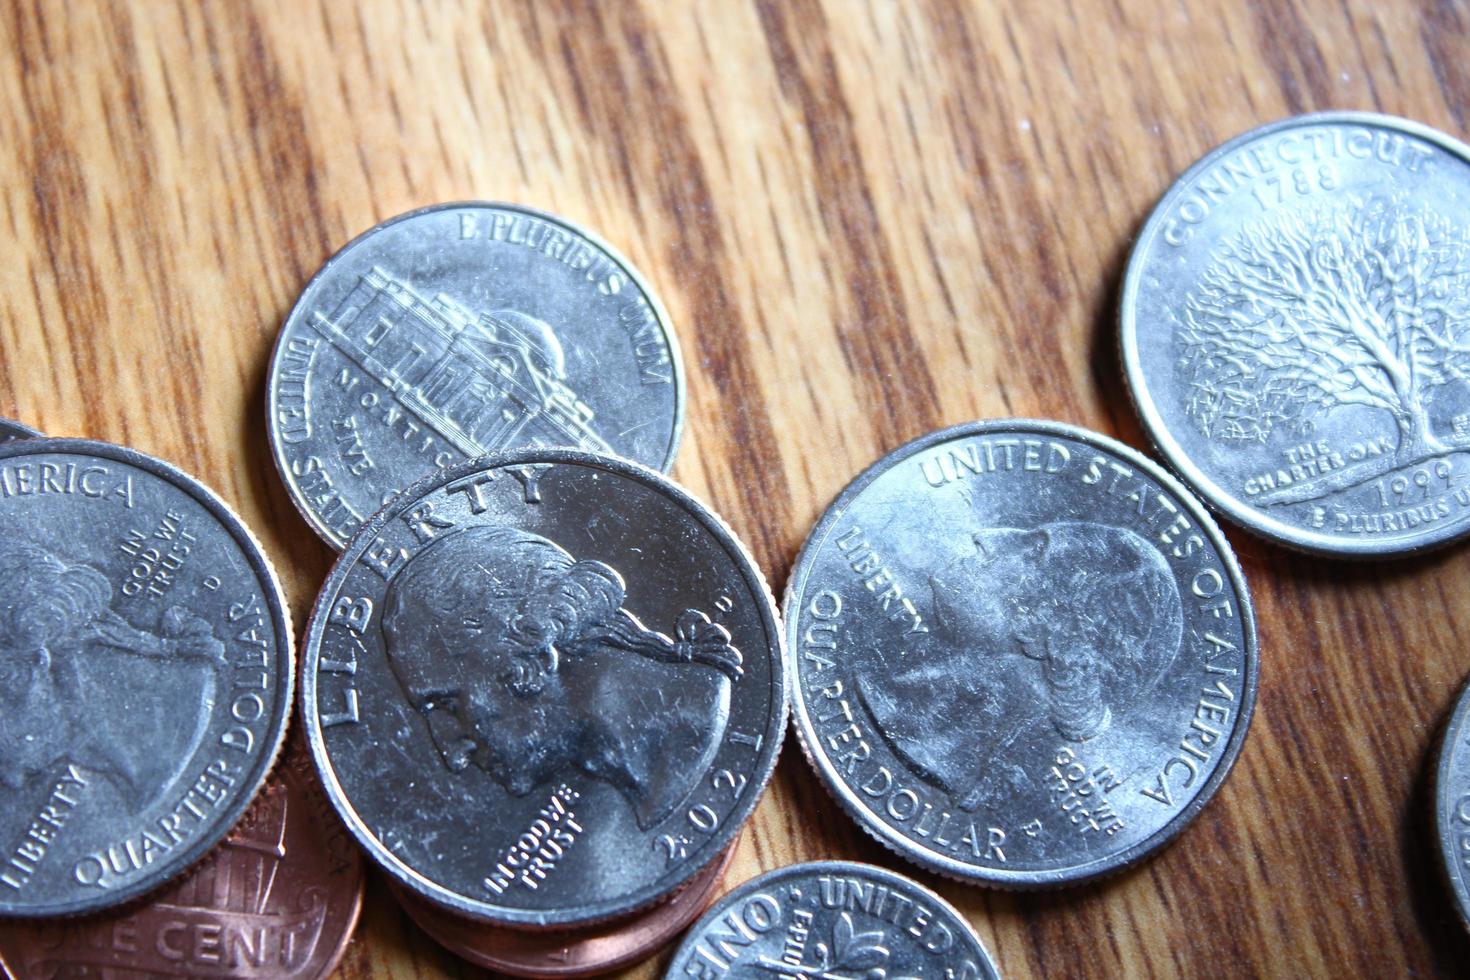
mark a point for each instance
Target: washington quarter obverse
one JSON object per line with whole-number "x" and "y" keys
{"x": 145, "y": 674}
{"x": 832, "y": 919}
{"x": 458, "y": 330}
{"x": 1020, "y": 653}
{"x": 544, "y": 687}
{"x": 1295, "y": 325}
{"x": 10, "y": 430}
{"x": 1452, "y": 804}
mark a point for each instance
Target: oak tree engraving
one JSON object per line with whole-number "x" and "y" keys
{"x": 1348, "y": 301}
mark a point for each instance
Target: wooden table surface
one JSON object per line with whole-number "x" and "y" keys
{"x": 867, "y": 221}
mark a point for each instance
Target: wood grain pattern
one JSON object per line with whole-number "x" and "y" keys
{"x": 867, "y": 220}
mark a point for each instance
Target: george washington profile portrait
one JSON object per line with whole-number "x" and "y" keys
{"x": 523, "y": 663}
{"x": 80, "y": 684}
{"x": 1038, "y": 634}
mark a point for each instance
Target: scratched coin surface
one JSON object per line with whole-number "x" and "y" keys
{"x": 457, "y": 330}
{"x": 832, "y": 919}
{"x": 1021, "y": 653}
{"x": 1452, "y": 804}
{"x": 544, "y": 687}
{"x": 10, "y": 430}
{"x": 585, "y": 952}
{"x": 1296, "y": 332}
{"x": 146, "y": 673}
{"x": 276, "y": 900}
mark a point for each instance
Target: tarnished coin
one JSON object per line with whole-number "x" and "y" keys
{"x": 836, "y": 919}
{"x": 1296, "y": 332}
{"x": 278, "y": 899}
{"x": 1452, "y": 804}
{"x": 145, "y": 674}
{"x": 545, "y": 687}
{"x": 585, "y": 952}
{"x": 1021, "y": 653}
{"x": 10, "y": 430}
{"x": 455, "y": 331}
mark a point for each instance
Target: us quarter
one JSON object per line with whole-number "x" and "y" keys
{"x": 1020, "y": 653}
{"x": 145, "y": 674}
{"x": 1452, "y": 804}
{"x": 1295, "y": 325}
{"x": 10, "y": 430}
{"x": 835, "y": 919}
{"x": 544, "y": 687}
{"x": 458, "y": 330}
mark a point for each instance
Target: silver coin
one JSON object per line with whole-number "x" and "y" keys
{"x": 1452, "y": 804}
{"x": 544, "y": 687}
{"x": 146, "y": 674}
{"x": 836, "y": 919}
{"x": 10, "y": 430}
{"x": 1020, "y": 653}
{"x": 1296, "y": 332}
{"x": 458, "y": 330}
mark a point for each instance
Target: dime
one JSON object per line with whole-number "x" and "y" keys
{"x": 544, "y": 687}
{"x": 559, "y": 953}
{"x": 10, "y": 430}
{"x": 832, "y": 919}
{"x": 279, "y": 898}
{"x": 457, "y": 330}
{"x": 1020, "y": 653}
{"x": 1452, "y": 804}
{"x": 145, "y": 674}
{"x": 1295, "y": 325}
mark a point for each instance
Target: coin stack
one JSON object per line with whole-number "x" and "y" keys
{"x": 544, "y": 687}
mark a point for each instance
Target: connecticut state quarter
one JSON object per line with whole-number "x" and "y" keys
{"x": 832, "y": 919}
{"x": 1020, "y": 653}
{"x": 1452, "y": 805}
{"x": 458, "y": 330}
{"x": 1296, "y": 332}
{"x": 145, "y": 674}
{"x": 544, "y": 687}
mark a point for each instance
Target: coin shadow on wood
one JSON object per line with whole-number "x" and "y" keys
{"x": 1429, "y": 893}
{"x": 1106, "y": 359}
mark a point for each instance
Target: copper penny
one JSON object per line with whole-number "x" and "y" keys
{"x": 278, "y": 898}
{"x": 568, "y": 953}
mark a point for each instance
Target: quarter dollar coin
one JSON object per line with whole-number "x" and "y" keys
{"x": 832, "y": 919}
{"x": 1295, "y": 325}
{"x": 1452, "y": 804}
{"x": 1020, "y": 653}
{"x": 544, "y": 688}
{"x": 146, "y": 674}
{"x": 456, "y": 330}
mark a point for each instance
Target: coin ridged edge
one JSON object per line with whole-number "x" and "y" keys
{"x": 1028, "y": 880}
{"x": 775, "y": 730}
{"x": 1456, "y": 728}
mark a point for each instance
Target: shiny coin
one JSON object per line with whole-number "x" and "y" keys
{"x": 145, "y": 674}
{"x": 455, "y": 331}
{"x": 560, "y": 953}
{"x": 544, "y": 688}
{"x": 832, "y": 919}
{"x": 1296, "y": 332}
{"x": 1452, "y": 804}
{"x": 10, "y": 430}
{"x": 1021, "y": 653}
{"x": 278, "y": 898}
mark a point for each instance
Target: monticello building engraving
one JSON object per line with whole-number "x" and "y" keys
{"x": 483, "y": 382}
